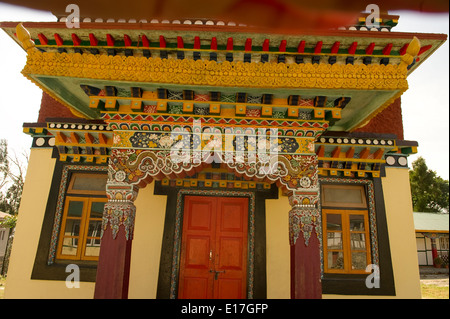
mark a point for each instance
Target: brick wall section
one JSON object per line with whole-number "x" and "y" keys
{"x": 388, "y": 121}
{"x": 52, "y": 108}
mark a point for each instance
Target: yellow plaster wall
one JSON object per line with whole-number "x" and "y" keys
{"x": 147, "y": 242}
{"x": 402, "y": 237}
{"x": 31, "y": 214}
{"x": 277, "y": 248}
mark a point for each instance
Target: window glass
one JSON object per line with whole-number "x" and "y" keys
{"x": 334, "y": 240}
{"x": 346, "y": 245}
{"x": 357, "y": 222}
{"x": 344, "y": 196}
{"x": 334, "y": 222}
{"x": 75, "y": 209}
{"x": 84, "y": 183}
{"x": 81, "y": 224}
{"x": 335, "y": 260}
{"x": 359, "y": 260}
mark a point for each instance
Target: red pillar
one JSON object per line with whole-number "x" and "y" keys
{"x": 306, "y": 269}
{"x": 304, "y": 227}
{"x": 113, "y": 270}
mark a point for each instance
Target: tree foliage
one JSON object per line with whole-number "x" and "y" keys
{"x": 430, "y": 192}
{"x": 12, "y": 178}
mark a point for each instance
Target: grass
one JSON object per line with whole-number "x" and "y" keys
{"x": 434, "y": 292}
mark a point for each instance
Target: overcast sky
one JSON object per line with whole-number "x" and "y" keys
{"x": 425, "y": 106}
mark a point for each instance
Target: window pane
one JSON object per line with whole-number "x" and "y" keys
{"x": 92, "y": 247}
{"x": 72, "y": 227}
{"x": 95, "y": 227}
{"x": 334, "y": 240}
{"x": 358, "y": 241}
{"x": 97, "y": 209}
{"x": 70, "y": 246}
{"x": 334, "y": 222}
{"x": 89, "y": 182}
{"x": 357, "y": 222}
{"x": 335, "y": 260}
{"x": 75, "y": 209}
{"x": 339, "y": 195}
{"x": 359, "y": 260}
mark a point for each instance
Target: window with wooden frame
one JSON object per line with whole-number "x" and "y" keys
{"x": 79, "y": 238}
{"x": 345, "y": 221}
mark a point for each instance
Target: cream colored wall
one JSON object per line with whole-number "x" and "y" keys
{"x": 31, "y": 214}
{"x": 277, "y": 248}
{"x": 147, "y": 242}
{"x": 402, "y": 237}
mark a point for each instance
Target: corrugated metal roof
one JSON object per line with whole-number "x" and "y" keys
{"x": 431, "y": 221}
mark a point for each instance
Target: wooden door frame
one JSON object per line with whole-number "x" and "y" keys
{"x": 170, "y": 250}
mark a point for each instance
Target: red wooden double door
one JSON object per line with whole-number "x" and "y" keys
{"x": 213, "y": 263}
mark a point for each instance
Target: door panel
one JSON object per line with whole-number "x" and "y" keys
{"x": 213, "y": 260}
{"x": 197, "y": 243}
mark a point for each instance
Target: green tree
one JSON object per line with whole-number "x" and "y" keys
{"x": 430, "y": 192}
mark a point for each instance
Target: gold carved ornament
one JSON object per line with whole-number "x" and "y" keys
{"x": 212, "y": 73}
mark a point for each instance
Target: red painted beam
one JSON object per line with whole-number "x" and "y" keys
{"x": 230, "y": 44}
{"x": 282, "y": 47}
{"x": 127, "y": 40}
{"x": 403, "y": 49}
{"x": 301, "y": 47}
{"x": 180, "y": 43}
{"x": 369, "y": 49}
{"x": 197, "y": 44}
{"x": 76, "y": 40}
{"x": 43, "y": 39}
{"x": 335, "y": 47}
{"x": 424, "y": 49}
{"x": 352, "y": 48}
{"x": 109, "y": 40}
{"x": 265, "y": 46}
{"x": 214, "y": 43}
{"x": 318, "y": 48}
{"x": 162, "y": 41}
{"x": 93, "y": 40}
{"x": 387, "y": 49}
{"x": 58, "y": 39}
{"x": 145, "y": 41}
{"x": 248, "y": 44}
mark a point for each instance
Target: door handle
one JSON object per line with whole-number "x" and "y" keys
{"x": 216, "y": 273}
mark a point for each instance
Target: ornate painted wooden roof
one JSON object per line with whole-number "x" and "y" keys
{"x": 131, "y": 84}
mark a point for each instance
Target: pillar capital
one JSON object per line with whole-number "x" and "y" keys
{"x": 304, "y": 216}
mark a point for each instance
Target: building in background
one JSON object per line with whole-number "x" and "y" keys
{"x": 431, "y": 238}
{"x": 204, "y": 159}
